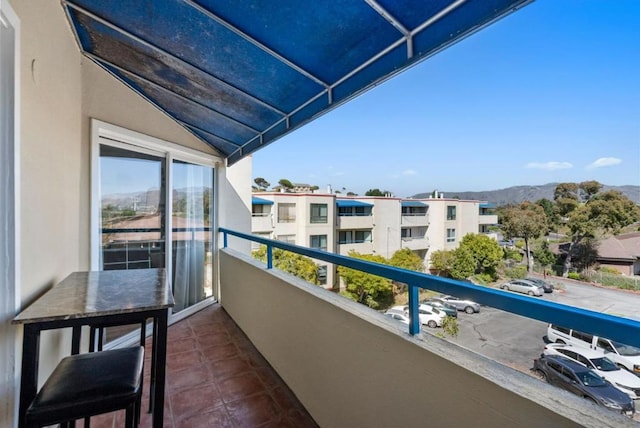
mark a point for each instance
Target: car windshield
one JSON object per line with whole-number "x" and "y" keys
{"x": 589, "y": 378}
{"x": 604, "y": 364}
{"x": 626, "y": 350}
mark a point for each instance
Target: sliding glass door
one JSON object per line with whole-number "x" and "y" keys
{"x": 155, "y": 210}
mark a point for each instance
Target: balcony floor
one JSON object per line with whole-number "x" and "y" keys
{"x": 216, "y": 378}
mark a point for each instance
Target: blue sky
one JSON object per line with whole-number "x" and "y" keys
{"x": 550, "y": 93}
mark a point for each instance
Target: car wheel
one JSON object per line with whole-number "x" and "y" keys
{"x": 432, "y": 324}
{"x": 506, "y": 287}
{"x": 560, "y": 341}
{"x": 530, "y": 293}
{"x": 540, "y": 375}
{"x": 469, "y": 310}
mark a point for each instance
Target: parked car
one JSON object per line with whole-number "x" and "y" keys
{"x": 599, "y": 363}
{"x": 578, "y": 379}
{"x": 468, "y": 306}
{"x": 447, "y": 308}
{"x": 523, "y": 286}
{"x": 429, "y": 316}
{"x": 625, "y": 356}
{"x": 398, "y": 316}
{"x": 547, "y": 287}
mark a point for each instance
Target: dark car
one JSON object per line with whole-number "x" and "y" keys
{"x": 578, "y": 379}
{"x": 548, "y": 288}
{"x": 448, "y": 309}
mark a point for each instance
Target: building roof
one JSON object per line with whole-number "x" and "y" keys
{"x": 621, "y": 247}
{"x": 413, "y": 204}
{"x": 240, "y": 74}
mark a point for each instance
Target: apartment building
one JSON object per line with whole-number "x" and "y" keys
{"x": 367, "y": 225}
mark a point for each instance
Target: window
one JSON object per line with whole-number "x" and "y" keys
{"x": 354, "y": 211}
{"x": 322, "y": 275}
{"x": 451, "y": 212}
{"x": 286, "y": 213}
{"x": 259, "y": 210}
{"x": 405, "y": 233}
{"x": 354, "y": 236}
{"x": 451, "y": 235}
{"x": 319, "y": 213}
{"x": 319, "y": 242}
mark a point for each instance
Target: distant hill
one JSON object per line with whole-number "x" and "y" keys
{"x": 517, "y": 194}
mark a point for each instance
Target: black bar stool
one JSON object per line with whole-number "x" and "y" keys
{"x": 90, "y": 384}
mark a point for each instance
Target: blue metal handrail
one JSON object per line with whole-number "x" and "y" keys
{"x": 620, "y": 329}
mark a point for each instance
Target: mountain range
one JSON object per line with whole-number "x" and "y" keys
{"x": 517, "y": 194}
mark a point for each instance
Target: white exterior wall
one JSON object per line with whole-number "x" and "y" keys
{"x": 387, "y": 224}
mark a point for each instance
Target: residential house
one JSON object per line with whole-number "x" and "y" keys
{"x": 621, "y": 252}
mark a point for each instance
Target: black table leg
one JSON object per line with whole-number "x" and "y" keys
{"x": 160, "y": 345}
{"x": 29, "y": 376}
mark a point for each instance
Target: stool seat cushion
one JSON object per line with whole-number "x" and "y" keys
{"x": 89, "y": 384}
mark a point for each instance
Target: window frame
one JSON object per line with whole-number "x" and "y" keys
{"x": 318, "y": 218}
{"x": 450, "y": 237}
{"x": 291, "y": 211}
{"x": 451, "y": 212}
{"x": 319, "y": 238}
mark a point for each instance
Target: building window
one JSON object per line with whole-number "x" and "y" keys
{"x": 319, "y": 242}
{"x": 322, "y": 275}
{"x": 289, "y": 239}
{"x": 451, "y": 212}
{"x": 319, "y": 213}
{"x": 451, "y": 235}
{"x": 354, "y": 236}
{"x": 354, "y": 211}
{"x": 260, "y": 210}
{"x": 405, "y": 233}
{"x": 286, "y": 213}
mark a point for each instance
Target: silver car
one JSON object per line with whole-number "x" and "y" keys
{"x": 523, "y": 286}
{"x": 468, "y": 306}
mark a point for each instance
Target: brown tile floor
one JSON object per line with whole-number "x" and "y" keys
{"x": 216, "y": 378}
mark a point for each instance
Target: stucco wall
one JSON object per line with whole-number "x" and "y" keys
{"x": 351, "y": 367}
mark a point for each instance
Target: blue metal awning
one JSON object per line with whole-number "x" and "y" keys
{"x": 239, "y": 74}
{"x": 413, "y": 204}
{"x": 260, "y": 201}
{"x": 487, "y": 205}
{"x": 346, "y": 203}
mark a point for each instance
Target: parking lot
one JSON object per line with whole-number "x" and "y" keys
{"x": 515, "y": 341}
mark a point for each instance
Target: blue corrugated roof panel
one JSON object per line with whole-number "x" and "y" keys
{"x": 413, "y": 204}
{"x": 259, "y": 201}
{"x": 346, "y": 203}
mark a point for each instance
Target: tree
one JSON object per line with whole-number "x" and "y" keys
{"x": 374, "y": 192}
{"x": 371, "y": 290}
{"x": 527, "y": 221}
{"x": 604, "y": 213}
{"x": 544, "y": 255}
{"x": 549, "y": 212}
{"x": 407, "y": 259}
{"x": 286, "y": 184}
{"x": 286, "y": 261}
{"x": 464, "y": 264}
{"x": 588, "y": 189}
{"x": 314, "y": 188}
{"x": 486, "y": 253}
{"x": 442, "y": 262}
{"x": 262, "y": 183}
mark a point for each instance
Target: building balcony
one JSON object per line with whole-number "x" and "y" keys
{"x": 359, "y": 247}
{"x": 415, "y": 220}
{"x": 415, "y": 243}
{"x": 354, "y": 222}
{"x": 262, "y": 223}
{"x": 488, "y": 219}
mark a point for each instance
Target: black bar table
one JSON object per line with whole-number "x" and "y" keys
{"x": 115, "y": 297}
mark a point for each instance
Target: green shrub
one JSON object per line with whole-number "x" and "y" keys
{"x": 512, "y": 254}
{"x": 483, "y": 278}
{"x": 607, "y": 269}
{"x": 516, "y": 272}
{"x": 574, "y": 275}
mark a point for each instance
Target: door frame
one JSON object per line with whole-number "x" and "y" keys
{"x": 106, "y": 133}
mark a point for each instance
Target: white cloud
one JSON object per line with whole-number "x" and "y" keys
{"x": 602, "y": 162}
{"x": 409, "y": 172}
{"x": 550, "y": 166}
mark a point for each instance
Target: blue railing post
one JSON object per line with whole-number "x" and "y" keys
{"x": 269, "y": 256}
{"x": 414, "y": 315}
{"x": 224, "y": 240}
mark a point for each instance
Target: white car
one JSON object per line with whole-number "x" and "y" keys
{"x": 398, "y": 316}
{"x": 426, "y": 313}
{"x": 622, "y": 379}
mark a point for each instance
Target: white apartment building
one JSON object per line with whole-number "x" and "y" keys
{"x": 367, "y": 225}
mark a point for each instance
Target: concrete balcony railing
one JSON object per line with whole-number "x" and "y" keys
{"x": 351, "y": 366}
{"x": 359, "y": 247}
{"x": 488, "y": 219}
{"x": 415, "y": 220}
{"x": 415, "y": 243}
{"x": 263, "y": 223}
{"x": 354, "y": 222}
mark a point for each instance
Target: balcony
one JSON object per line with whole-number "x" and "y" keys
{"x": 354, "y": 222}
{"x": 488, "y": 219}
{"x": 364, "y": 247}
{"x": 415, "y": 243}
{"x": 415, "y": 220}
{"x": 262, "y": 222}
{"x": 326, "y": 346}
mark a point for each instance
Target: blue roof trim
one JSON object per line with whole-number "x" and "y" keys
{"x": 241, "y": 74}
{"x": 413, "y": 204}
{"x": 259, "y": 201}
{"x": 347, "y": 203}
{"x": 487, "y": 205}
